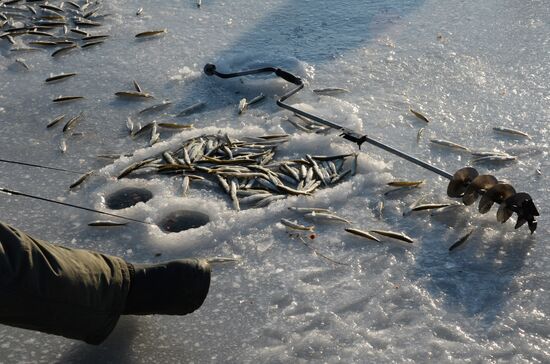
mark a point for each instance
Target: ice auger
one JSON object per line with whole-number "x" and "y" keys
{"x": 466, "y": 183}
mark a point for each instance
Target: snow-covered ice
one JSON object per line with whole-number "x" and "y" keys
{"x": 469, "y": 66}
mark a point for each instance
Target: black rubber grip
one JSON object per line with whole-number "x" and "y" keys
{"x": 210, "y": 69}
{"x": 287, "y": 76}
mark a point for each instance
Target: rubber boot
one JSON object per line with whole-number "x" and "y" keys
{"x": 177, "y": 287}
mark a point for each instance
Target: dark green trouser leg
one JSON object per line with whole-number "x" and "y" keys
{"x": 75, "y": 293}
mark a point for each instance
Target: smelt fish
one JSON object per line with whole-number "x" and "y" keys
{"x": 72, "y": 122}
{"x": 157, "y": 107}
{"x": 60, "y": 77}
{"x": 449, "y": 144}
{"x": 137, "y": 86}
{"x": 243, "y": 105}
{"x": 256, "y": 99}
{"x": 151, "y": 33}
{"x": 308, "y": 209}
{"x": 330, "y": 91}
{"x": 326, "y": 216}
{"x": 55, "y": 121}
{"x": 67, "y": 98}
{"x": 63, "y": 146}
{"x": 296, "y": 226}
{"x": 461, "y": 241}
{"x": 419, "y": 115}
{"x": 88, "y": 38}
{"x": 513, "y": 132}
{"x": 481, "y": 153}
{"x": 185, "y": 185}
{"x": 191, "y": 109}
{"x": 134, "y": 94}
{"x": 495, "y": 158}
{"x": 393, "y": 235}
{"x": 430, "y": 206}
{"x": 63, "y": 50}
{"x": 106, "y": 223}
{"x": 175, "y": 126}
{"x": 362, "y": 233}
{"x": 419, "y": 134}
{"x": 233, "y": 194}
{"x": 81, "y": 179}
{"x": 214, "y": 260}
{"x": 134, "y": 166}
{"x": 22, "y": 63}
{"x": 89, "y": 44}
{"x": 405, "y": 183}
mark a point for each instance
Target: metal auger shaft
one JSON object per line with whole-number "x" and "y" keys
{"x": 348, "y": 134}
{"x": 465, "y": 183}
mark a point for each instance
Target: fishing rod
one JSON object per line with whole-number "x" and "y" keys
{"x": 17, "y": 193}
{"x": 466, "y": 183}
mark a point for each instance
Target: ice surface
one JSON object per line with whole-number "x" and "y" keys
{"x": 469, "y": 66}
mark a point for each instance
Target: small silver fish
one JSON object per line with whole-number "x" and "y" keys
{"x": 90, "y": 44}
{"x": 326, "y": 216}
{"x": 215, "y": 260}
{"x": 243, "y": 105}
{"x": 72, "y": 122}
{"x": 495, "y": 158}
{"x": 461, "y": 241}
{"x": 419, "y": 115}
{"x": 55, "y": 121}
{"x": 513, "y": 132}
{"x": 330, "y": 91}
{"x": 308, "y": 209}
{"x": 23, "y": 63}
{"x": 296, "y": 226}
{"x": 151, "y": 33}
{"x": 157, "y": 107}
{"x": 106, "y": 223}
{"x": 449, "y": 144}
{"x": 63, "y": 50}
{"x": 393, "y": 235}
{"x": 67, "y": 98}
{"x": 130, "y": 125}
{"x": 419, "y": 134}
{"x": 362, "y": 233}
{"x": 185, "y": 185}
{"x": 175, "y": 126}
{"x": 81, "y": 179}
{"x": 405, "y": 183}
{"x": 431, "y": 206}
{"x": 191, "y": 109}
{"x": 63, "y": 146}
{"x": 137, "y": 86}
{"x": 134, "y": 94}
{"x": 60, "y": 77}
{"x": 139, "y": 11}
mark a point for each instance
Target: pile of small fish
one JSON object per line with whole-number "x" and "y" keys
{"x": 33, "y": 26}
{"x": 246, "y": 169}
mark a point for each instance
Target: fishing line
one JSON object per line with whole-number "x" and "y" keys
{"x": 39, "y": 166}
{"x": 17, "y": 193}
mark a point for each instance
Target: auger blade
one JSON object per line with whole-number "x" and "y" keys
{"x": 523, "y": 205}
{"x": 498, "y": 193}
{"x": 460, "y": 181}
{"x": 480, "y": 184}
